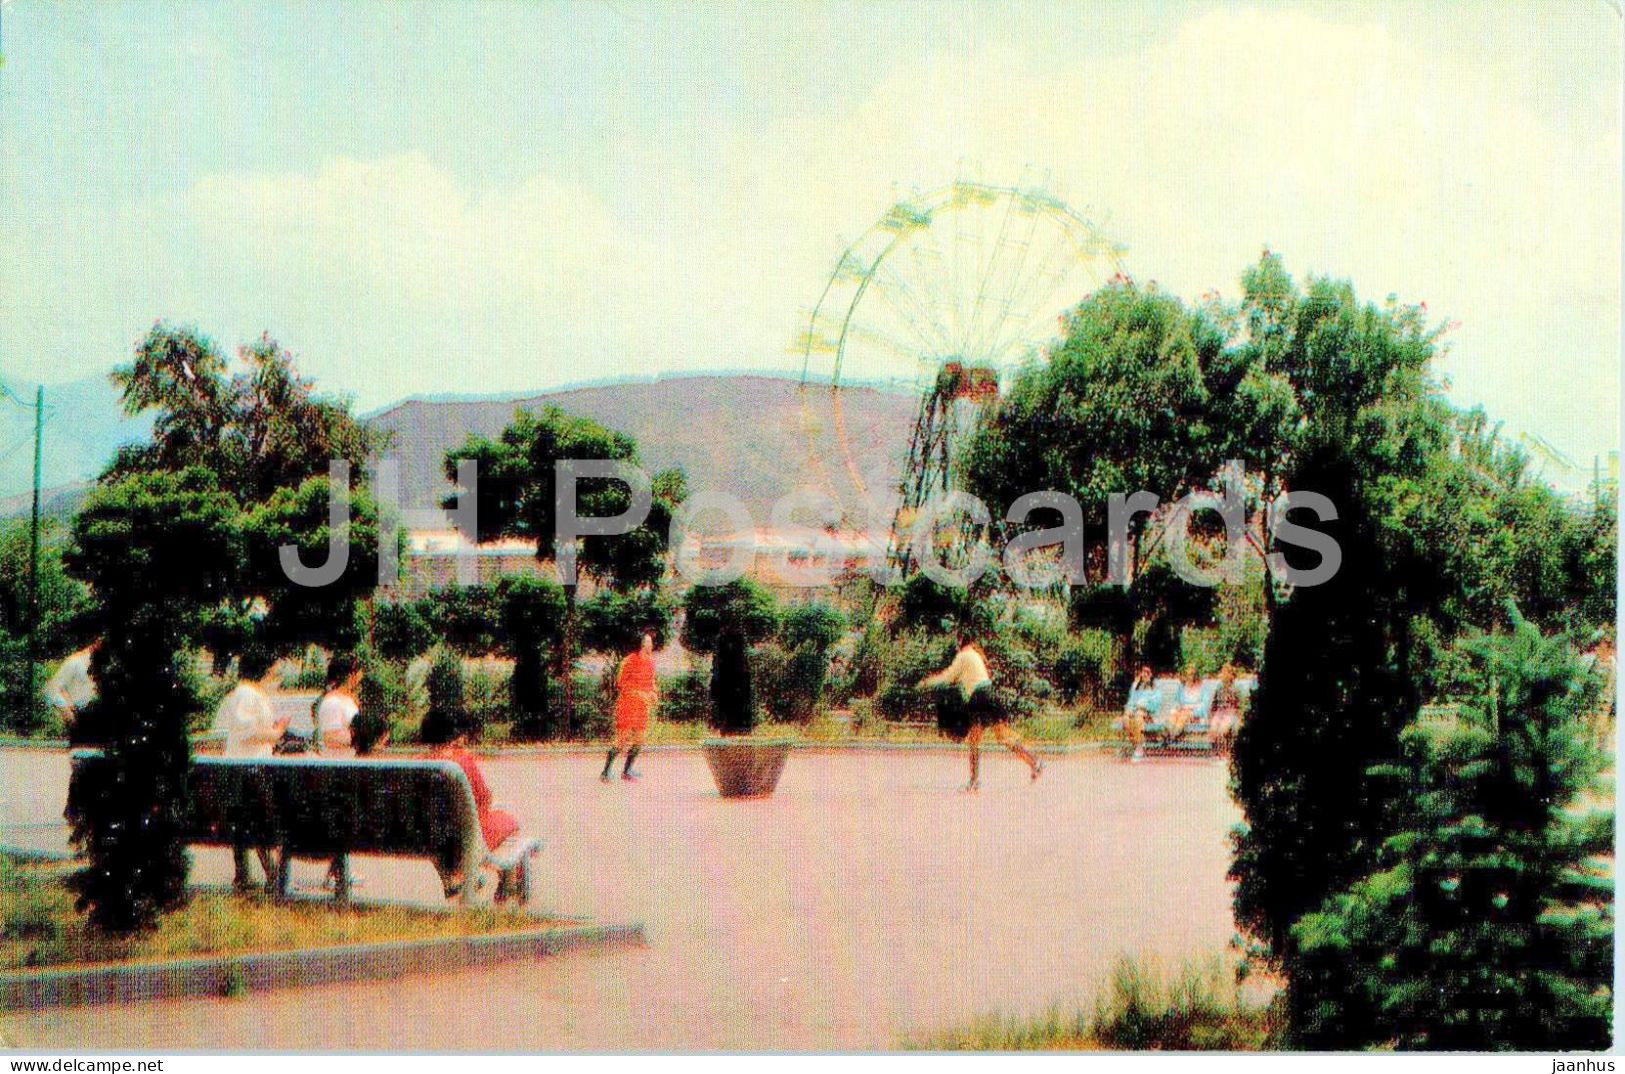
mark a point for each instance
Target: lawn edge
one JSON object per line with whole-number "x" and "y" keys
{"x": 236, "y": 974}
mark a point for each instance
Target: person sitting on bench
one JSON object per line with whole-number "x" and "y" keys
{"x": 251, "y": 729}
{"x": 1192, "y": 706}
{"x": 1144, "y": 703}
{"x": 449, "y": 742}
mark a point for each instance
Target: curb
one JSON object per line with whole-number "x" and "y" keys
{"x": 232, "y": 975}
{"x": 589, "y": 749}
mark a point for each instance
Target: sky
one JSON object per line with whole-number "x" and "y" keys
{"x": 488, "y": 197}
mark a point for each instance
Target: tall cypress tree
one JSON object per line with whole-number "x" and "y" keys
{"x": 1330, "y": 704}
{"x": 159, "y": 550}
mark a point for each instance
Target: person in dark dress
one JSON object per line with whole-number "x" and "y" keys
{"x": 968, "y": 671}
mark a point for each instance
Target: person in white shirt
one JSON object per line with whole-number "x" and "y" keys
{"x": 968, "y": 671}
{"x": 72, "y": 688}
{"x": 335, "y": 711}
{"x": 251, "y": 729}
{"x": 337, "y": 708}
{"x": 246, "y": 717}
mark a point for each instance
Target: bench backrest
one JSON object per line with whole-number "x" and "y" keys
{"x": 320, "y": 806}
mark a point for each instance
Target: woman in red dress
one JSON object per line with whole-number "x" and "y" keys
{"x": 636, "y": 694}
{"x": 450, "y": 743}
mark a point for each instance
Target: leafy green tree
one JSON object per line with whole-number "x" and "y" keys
{"x": 1344, "y": 660}
{"x": 1488, "y": 921}
{"x": 516, "y": 496}
{"x": 725, "y": 621}
{"x": 260, "y": 429}
{"x": 298, "y": 516}
{"x": 1330, "y": 704}
{"x": 615, "y": 623}
{"x": 63, "y": 603}
{"x": 1140, "y": 394}
{"x": 159, "y": 550}
{"x": 268, "y": 437}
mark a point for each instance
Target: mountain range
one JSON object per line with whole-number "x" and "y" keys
{"x": 753, "y": 436}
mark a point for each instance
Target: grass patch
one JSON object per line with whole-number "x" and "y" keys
{"x": 1201, "y": 1008}
{"x": 39, "y": 926}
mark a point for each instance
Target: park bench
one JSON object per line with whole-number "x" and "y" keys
{"x": 329, "y": 808}
{"x": 1198, "y": 735}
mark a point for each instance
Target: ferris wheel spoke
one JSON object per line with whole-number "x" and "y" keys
{"x": 987, "y": 270}
{"x": 1038, "y": 290}
{"x": 952, "y": 274}
{"x": 930, "y": 262}
{"x": 897, "y": 291}
{"x": 986, "y": 341}
{"x": 1029, "y": 328}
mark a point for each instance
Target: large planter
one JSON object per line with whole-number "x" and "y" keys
{"x": 744, "y": 767}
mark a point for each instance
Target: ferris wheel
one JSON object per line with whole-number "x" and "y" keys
{"x": 941, "y": 299}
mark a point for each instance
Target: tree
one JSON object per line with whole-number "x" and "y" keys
{"x": 268, "y": 438}
{"x": 159, "y": 550}
{"x": 1488, "y": 923}
{"x": 615, "y": 623}
{"x": 1140, "y": 394}
{"x": 515, "y": 496}
{"x": 296, "y": 615}
{"x": 63, "y": 606}
{"x": 725, "y": 620}
{"x": 1344, "y": 660}
{"x": 260, "y": 429}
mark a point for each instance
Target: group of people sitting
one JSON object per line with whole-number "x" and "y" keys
{"x": 335, "y": 726}
{"x": 1168, "y": 708}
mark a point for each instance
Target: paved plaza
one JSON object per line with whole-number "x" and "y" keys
{"x": 869, "y": 899}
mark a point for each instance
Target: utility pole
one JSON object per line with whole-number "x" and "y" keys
{"x": 30, "y": 701}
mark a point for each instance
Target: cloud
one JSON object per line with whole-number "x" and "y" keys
{"x": 1351, "y": 147}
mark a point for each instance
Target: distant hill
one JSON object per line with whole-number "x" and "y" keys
{"x": 756, "y": 437}
{"x": 84, "y": 425}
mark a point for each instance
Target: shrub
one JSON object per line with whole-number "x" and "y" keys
{"x": 789, "y": 682}
{"x": 448, "y": 704}
{"x": 384, "y": 699}
{"x": 906, "y": 661}
{"x": 595, "y": 704}
{"x": 1087, "y": 669}
{"x": 725, "y": 620}
{"x": 485, "y": 698}
{"x": 685, "y": 698}
{"x": 733, "y": 701}
{"x": 532, "y": 615}
{"x": 1205, "y": 649}
{"x": 307, "y": 676}
{"x": 401, "y": 631}
{"x": 813, "y": 624}
{"x": 867, "y": 668}
{"x": 469, "y": 618}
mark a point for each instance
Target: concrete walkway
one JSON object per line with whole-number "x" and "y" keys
{"x": 869, "y": 899}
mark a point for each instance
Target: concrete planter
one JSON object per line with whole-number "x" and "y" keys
{"x": 745, "y": 768}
